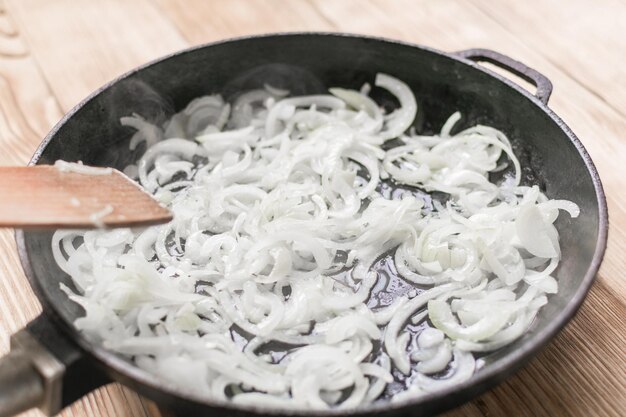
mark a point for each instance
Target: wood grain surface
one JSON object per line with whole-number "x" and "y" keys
{"x": 54, "y": 53}
{"x": 74, "y": 200}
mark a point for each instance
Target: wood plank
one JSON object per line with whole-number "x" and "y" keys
{"x": 79, "y": 46}
{"x": 570, "y": 37}
{"x": 202, "y": 21}
{"x": 27, "y": 108}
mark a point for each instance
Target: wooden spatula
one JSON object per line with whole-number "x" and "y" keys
{"x": 45, "y": 197}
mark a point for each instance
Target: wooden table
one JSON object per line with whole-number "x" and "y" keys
{"x": 54, "y": 53}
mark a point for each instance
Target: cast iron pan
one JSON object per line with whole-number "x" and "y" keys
{"x": 51, "y": 364}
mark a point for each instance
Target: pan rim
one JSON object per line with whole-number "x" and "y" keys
{"x": 480, "y": 382}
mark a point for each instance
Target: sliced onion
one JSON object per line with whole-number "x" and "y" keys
{"x": 441, "y": 316}
{"x": 258, "y": 291}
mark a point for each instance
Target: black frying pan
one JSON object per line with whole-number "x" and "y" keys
{"x": 51, "y": 364}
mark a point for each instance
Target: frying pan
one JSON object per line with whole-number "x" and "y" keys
{"x": 51, "y": 364}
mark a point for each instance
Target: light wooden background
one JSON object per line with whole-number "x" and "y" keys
{"x": 54, "y": 53}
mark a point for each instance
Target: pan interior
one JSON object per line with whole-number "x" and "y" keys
{"x": 307, "y": 64}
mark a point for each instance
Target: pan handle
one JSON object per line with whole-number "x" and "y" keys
{"x": 30, "y": 376}
{"x": 540, "y": 81}
{"x": 44, "y": 369}
{"x": 21, "y": 386}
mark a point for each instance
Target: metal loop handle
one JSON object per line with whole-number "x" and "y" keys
{"x": 540, "y": 81}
